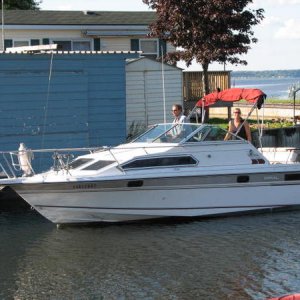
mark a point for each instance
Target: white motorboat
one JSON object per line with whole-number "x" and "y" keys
{"x": 171, "y": 170}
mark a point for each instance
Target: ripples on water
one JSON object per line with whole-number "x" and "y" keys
{"x": 247, "y": 257}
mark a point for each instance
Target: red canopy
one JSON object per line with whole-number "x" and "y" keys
{"x": 232, "y": 95}
{"x": 287, "y": 297}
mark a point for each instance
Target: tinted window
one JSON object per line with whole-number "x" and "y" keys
{"x": 295, "y": 176}
{"x": 98, "y": 165}
{"x": 79, "y": 162}
{"x": 161, "y": 162}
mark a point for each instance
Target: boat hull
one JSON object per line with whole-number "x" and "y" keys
{"x": 118, "y": 202}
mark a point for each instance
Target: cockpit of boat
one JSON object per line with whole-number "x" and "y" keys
{"x": 134, "y": 155}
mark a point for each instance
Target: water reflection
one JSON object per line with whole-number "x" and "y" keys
{"x": 250, "y": 257}
{"x": 19, "y": 232}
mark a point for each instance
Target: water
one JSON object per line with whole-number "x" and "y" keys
{"x": 246, "y": 257}
{"x": 275, "y": 88}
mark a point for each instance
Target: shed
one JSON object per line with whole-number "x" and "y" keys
{"x": 148, "y": 83}
{"x": 74, "y": 107}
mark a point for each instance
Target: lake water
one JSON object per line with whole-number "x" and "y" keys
{"x": 275, "y": 88}
{"x": 245, "y": 257}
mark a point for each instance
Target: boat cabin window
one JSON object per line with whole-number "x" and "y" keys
{"x": 79, "y": 162}
{"x": 168, "y": 161}
{"x": 98, "y": 165}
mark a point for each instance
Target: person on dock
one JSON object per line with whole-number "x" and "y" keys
{"x": 234, "y": 125}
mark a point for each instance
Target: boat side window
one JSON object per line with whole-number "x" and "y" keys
{"x": 169, "y": 161}
{"x": 79, "y": 162}
{"x": 98, "y": 165}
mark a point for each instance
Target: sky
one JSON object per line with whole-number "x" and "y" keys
{"x": 278, "y": 46}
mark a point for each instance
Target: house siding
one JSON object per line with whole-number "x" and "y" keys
{"x": 144, "y": 93}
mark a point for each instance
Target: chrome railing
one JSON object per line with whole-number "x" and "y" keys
{"x": 12, "y": 165}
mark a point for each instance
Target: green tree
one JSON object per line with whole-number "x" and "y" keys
{"x": 207, "y": 30}
{"x": 21, "y": 4}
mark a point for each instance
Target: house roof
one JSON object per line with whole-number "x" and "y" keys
{"x": 149, "y": 63}
{"x": 48, "y": 17}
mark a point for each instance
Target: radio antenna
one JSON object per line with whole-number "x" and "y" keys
{"x": 163, "y": 83}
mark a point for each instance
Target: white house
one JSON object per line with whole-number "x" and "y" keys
{"x": 82, "y": 30}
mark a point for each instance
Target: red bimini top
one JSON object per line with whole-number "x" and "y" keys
{"x": 287, "y": 297}
{"x": 232, "y": 95}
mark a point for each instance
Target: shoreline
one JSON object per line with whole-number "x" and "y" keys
{"x": 269, "y": 111}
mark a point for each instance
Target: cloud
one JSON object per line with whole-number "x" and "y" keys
{"x": 288, "y": 1}
{"x": 281, "y": 2}
{"x": 271, "y": 21}
{"x": 289, "y": 30}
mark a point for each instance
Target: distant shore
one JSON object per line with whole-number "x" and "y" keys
{"x": 267, "y": 74}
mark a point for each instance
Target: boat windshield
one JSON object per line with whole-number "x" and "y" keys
{"x": 179, "y": 133}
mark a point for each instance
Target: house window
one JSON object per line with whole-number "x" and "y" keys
{"x": 81, "y": 46}
{"x": 149, "y": 47}
{"x": 73, "y": 45}
{"x": 63, "y": 45}
{"x": 21, "y": 43}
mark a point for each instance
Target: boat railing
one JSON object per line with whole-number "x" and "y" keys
{"x": 27, "y": 162}
{"x": 20, "y": 162}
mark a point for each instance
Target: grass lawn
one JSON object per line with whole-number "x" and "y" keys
{"x": 253, "y": 123}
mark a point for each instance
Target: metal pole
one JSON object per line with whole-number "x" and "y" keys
{"x": 163, "y": 83}
{"x": 295, "y": 121}
{"x": 2, "y": 13}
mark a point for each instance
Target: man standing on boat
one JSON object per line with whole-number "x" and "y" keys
{"x": 179, "y": 117}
